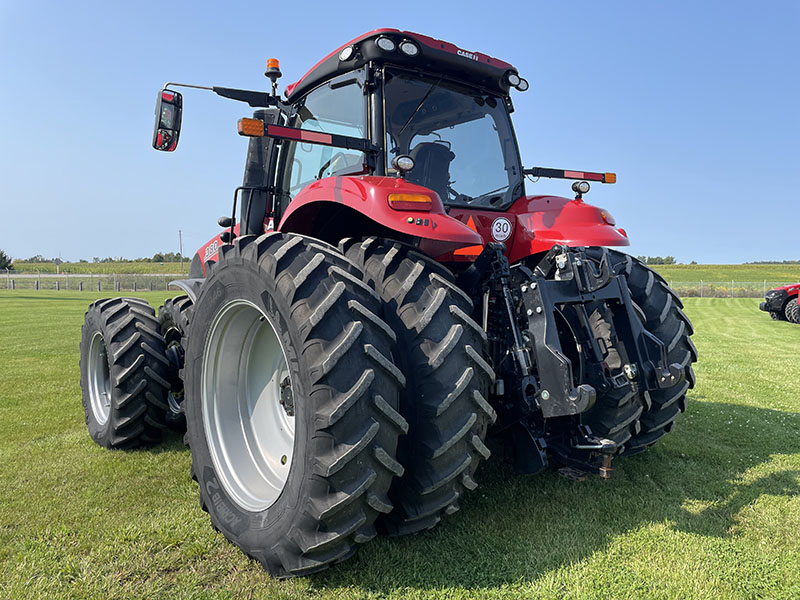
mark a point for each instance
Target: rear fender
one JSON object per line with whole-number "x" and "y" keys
{"x": 543, "y": 221}
{"x": 355, "y": 206}
{"x": 534, "y": 224}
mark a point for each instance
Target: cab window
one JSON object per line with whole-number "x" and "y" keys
{"x": 337, "y": 107}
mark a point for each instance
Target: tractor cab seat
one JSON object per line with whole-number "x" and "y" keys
{"x": 431, "y": 167}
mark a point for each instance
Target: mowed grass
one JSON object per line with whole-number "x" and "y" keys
{"x": 726, "y": 273}
{"x": 783, "y": 272}
{"x": 713, "y": 511}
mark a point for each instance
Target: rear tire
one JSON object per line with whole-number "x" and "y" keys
{"x": 173, "y": 322}
{"x": 124, "y": 373}
{"x": 285, "y": 321}
{"x": 440, "y": 349}
{"x": 662, "y": 313}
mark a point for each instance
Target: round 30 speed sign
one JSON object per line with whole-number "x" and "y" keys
{"x": 501, "y": 229}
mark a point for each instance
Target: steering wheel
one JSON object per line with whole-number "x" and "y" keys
{"x": 328, "y": 163}
{"x": 457, "y": 196}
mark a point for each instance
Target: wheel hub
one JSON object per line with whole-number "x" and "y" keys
{"x": 99, "y": 379}
{"x": 245, "y": 386}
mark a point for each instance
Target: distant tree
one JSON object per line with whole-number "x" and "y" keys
{"x": 158, "y": 257}
{"x": 694, "y": 262}
{"x": 96, "y": 259}
{"x": 658, "y": 260}
{"x": 33, "y": 259}
{"x": 5, "y": 261}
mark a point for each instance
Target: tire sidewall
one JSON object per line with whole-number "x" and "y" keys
{"x": 231, "y": 280}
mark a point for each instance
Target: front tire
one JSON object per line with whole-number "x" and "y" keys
{"x": 792, "y": 312}
{"x": 285, "y": 325}
{"x": 124, "y": 373}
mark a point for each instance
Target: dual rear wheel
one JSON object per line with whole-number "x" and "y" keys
{"x": 329, "y": 394}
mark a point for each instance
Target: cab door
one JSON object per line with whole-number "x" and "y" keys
{"x": 337, "y": 107}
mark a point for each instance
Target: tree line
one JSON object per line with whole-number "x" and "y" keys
{"x": 158, "y": 257}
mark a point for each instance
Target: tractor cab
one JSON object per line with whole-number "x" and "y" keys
{"x": 437, "y": 116}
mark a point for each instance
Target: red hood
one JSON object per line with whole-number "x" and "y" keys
{"x": 791, "y": 289}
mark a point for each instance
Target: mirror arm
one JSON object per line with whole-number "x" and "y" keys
{"x": 254, "y": 99}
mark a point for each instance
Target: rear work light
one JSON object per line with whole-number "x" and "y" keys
{"x": 386, "y": 44}
{"x": 410, "y": 202}
{"x": 347, "y": 53}
{"x": 409, "y": 48}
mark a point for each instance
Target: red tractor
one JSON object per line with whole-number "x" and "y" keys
{"x": 781, "y": 303}
{"x": 384, "y": 304}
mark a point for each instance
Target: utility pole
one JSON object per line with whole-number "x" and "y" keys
{"x": 180, "y": 244}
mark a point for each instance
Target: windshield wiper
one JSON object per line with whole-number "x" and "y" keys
{"x": 421, "y": 102}
{"x": 488, "y": 197}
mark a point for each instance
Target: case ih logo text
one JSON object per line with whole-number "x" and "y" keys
{"x": 469, "y": 55}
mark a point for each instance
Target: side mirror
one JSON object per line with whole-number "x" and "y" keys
{"x": 169, "y": 107}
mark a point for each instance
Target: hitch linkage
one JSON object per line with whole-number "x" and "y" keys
{"x": 587, "y": 453}
{"x": 544, "y": 387}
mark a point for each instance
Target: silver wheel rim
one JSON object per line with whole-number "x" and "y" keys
{"x": 250, "y": 435}
{"x": 99, "y": 379}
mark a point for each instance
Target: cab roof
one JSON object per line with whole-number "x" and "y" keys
{"x": 434, "y": 55}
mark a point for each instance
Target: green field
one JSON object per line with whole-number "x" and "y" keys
{"x": 771, "y": 273}
{"x": 713, "y": 511}
{"x": 139, "y": 268}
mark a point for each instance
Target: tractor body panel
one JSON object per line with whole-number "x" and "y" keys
{"x": 534, "y": 224}
{"x": 543, "y": 221}
{"x": 369, "y": 196}
{"x": 210, "y": 250}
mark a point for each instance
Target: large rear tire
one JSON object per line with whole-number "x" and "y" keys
{"x": 173, "y": 322}
{"x": 440, "y": 350}
{"x": 124, "y": 373}
{"x": 291, "y": 399}
{"x": 661, "y": 311}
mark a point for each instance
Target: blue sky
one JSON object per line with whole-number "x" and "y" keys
{"x": 693, "y": 104}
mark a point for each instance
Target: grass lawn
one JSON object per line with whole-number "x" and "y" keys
{"x": 713, "y": 511}
{"x": 726, "y": 273}
{"x": 770, "y": 273}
